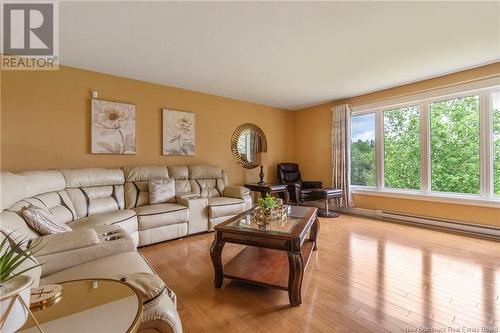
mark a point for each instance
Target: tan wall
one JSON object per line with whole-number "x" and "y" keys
{"x": 312, "y": 133}
{"x": 45, "y": 122}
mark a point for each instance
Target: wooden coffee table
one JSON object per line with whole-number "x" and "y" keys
{"x": 275, "y": 256}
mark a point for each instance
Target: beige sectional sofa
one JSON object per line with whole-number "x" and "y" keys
{"x": 96, "y": 201}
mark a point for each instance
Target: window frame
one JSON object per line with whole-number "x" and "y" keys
{"x": 484, "y": 89}
{"x": 489, "y": 148}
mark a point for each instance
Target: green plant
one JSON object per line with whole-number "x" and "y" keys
{"x": 268, "y": 202}
{"x": 13, "y": 253}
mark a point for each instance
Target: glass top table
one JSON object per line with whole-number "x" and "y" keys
{"x": 275, "y": 255}
{"x": 93, "y": 305}
{"x": 277, "y": 226}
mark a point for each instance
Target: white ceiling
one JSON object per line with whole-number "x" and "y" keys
{"x": 283, "y": 54}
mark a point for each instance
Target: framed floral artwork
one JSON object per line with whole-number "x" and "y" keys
{"x": 178, "y": 132}
{"x": 113, "y": 128}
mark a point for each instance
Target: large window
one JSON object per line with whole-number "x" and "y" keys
{"x": 363, "y": 150}
{"x": 496, "y": 142}
{"x": 402, "y": 148}
{"x": 455, "y": 145}
{"x": 442, "y": 143}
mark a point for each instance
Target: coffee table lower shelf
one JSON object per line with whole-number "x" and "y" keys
{"x": 263, "y": 266}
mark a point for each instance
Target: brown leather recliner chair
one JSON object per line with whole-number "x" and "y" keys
{"x": 299, "y": 190}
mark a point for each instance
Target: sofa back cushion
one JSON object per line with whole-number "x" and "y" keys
{"x": 13, "y": 224}
{"x": 207, "y": 180}
{"x": 181, "y": 176}
{"x": 44, "y": 189}
{"x": 13, "y": 188}
{"x": 95, "y": 190}
{"x": 136, "y": 183}
{"x": 58, "y": 203}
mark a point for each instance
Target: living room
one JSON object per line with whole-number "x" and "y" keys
{"x": 246, "y": 166}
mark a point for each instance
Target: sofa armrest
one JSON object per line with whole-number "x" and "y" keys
{"x": 293, "y": 186}
{"x": 187, "y": 196}
{"x": 67, "y": 241}
{"x": 65, "y": 250}
{"x": 163, "y": 317}
{"x": 309, "y": 184}
{"x": 237, "y": 192}
{"x": 198, "y": 213}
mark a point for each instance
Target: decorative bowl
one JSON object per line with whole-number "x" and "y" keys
{"x": 262, "y": 217}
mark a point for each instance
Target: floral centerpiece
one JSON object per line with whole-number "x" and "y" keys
{"x": 263, "y": 214}
{"x": 268, "y": 208}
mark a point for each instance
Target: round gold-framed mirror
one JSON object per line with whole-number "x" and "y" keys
{"x": 248, "y": 143}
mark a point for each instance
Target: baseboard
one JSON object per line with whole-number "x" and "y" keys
{"x": 481, "y": 230}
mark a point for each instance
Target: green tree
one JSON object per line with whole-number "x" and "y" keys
{"x": 496, "y": 151}
{"x": 402, "y": 148}
{"x": 363, "y": 163}
{"x": 455, "y": 145}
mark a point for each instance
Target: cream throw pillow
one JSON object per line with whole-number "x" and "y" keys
{"x": 43, "y": 221}
{"x": 161, "y": 190}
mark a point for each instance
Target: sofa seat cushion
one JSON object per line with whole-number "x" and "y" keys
{"x": 124, "y": 218}
{"x": 161, "y": 234}
{"x": 159, "y": 215}
{"x": 224, "y": 206}
{"x": 71, "y": 249}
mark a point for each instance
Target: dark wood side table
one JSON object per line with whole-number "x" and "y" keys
{"x": 263, "y": 189}
{"x": 276, "y": 255}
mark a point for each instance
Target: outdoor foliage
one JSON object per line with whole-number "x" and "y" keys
{"x": 363, "y": 150}
{"x": 454, "y": 148}
{"x": 363, "y": 163}
{"x": 496, "y": 151}
{"x": 402, "y": 148}
{"x": 455, "y": 145}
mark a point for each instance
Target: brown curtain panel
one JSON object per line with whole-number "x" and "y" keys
{"x": 341, "y": 153}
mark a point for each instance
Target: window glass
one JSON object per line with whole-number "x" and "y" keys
{"x": 496, "y": 142}
{"x": 402, "y": 148}
{"x": 455, "y": 145}
{"x": 363, "y": 163}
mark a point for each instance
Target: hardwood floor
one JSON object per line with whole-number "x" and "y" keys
{"x": 367, "y": 276}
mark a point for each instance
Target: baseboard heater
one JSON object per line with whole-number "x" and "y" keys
{"x": 448, "y": 225}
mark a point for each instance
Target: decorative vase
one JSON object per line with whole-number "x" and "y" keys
{"x": 279, "y": 213}
{"x": 262, "y": 216}
{"x": 13, "y": 313}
